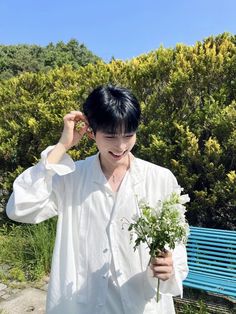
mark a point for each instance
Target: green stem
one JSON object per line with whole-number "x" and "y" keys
{"x": 158, "y": 285}
{"x": 158, "y": 291}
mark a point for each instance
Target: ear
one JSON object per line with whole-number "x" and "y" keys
{"x": 90, "y": 134}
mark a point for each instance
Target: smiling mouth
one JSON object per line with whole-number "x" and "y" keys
{"x": 117, "y": 155}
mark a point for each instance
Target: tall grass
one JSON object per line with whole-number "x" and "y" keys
{"x": 27, "y": 249}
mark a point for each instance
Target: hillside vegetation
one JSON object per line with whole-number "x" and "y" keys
{"x": 16, "y": 59}
{"x": 188, "y": 98}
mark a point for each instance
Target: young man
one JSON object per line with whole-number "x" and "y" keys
{"x": 94, "y": 266}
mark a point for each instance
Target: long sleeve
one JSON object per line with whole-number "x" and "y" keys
{"x": 37, "y": 192}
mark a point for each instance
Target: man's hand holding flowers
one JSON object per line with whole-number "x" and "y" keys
{"x": 162, "y": 266}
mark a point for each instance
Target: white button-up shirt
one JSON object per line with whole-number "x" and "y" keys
{"x": 94, "y": 267}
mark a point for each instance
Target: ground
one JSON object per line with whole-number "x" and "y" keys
{"x": 20, "y": 299}
{"x": 26, "y": 301}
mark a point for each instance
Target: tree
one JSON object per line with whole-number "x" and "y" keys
{"x": 15, "y": 60}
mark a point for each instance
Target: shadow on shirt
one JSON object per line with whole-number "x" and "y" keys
{"x": 136, "y": 295}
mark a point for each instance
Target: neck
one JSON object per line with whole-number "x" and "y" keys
{"x": 110, "y": 169}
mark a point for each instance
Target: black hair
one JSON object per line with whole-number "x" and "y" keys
{"x": 112, "y": 109}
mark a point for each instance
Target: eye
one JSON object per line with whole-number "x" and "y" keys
{"x": 129, "y": 135}
{"x": 109, "y": 136}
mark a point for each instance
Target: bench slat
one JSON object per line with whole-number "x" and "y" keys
{"x": 213, "y": 267}
{"x": 224, "y": 244}
{"x": 212, "y": 230}
{"x": 214, "y": 250}
{"x": 213, "y": 234}
{"x": 217, "y": 279}
{"x": 204, "y": 255}
{"x": 213, "y": 254}
{"x": 216, "y": 238}
{"x": 211, "y": 271}
{"x": 209, "y": 285}
{"x": 206, "y": 261}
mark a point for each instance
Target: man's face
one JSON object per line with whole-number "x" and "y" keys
{"x": 114, "y": 148}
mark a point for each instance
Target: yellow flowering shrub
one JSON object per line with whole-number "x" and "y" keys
{"x": 188, "y": 100}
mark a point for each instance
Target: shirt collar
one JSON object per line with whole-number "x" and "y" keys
{"x": 97, "y": 174}
{"x": 135, "y": 171}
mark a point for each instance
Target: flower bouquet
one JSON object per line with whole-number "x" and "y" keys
{"x": 161, "y": 227}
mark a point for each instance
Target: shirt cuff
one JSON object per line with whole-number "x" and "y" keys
{"x": 65, "y": 166}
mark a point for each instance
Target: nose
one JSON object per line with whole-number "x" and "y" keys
{"x": 120, "y": 144}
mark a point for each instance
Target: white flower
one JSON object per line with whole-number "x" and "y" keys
{"x": 184, "y": 199}
{"x": 180, "y": 208}
{"x": 178, "y": 190}
{"x": 187, "y": 230}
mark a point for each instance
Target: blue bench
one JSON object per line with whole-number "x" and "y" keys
{"x": 212, "y": 261}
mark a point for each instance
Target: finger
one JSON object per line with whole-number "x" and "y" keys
{"x": 74, "y": 116}
{"x": 162, "y": 261}
{"x": 79, "y": 116}
{"x": 76, "y": 120}
{"x": 163, "y": 277}
{"x": 158, "y": 261}
{"x": 163, "y": 272}
{"x": 69, "y": 116}
{"x": 161, "y": 269}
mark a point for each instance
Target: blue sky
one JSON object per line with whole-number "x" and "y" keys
{"x": 123, "y": 29}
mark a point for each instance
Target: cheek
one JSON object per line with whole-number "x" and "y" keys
{"x": 134, "y": 139}
{"x": 100, "y": 144}
{"x": 132, "y": 143}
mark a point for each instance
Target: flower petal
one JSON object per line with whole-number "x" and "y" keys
{"x": 184, "y": 199}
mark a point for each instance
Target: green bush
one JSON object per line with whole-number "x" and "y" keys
{"x": 189, "y": 116}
